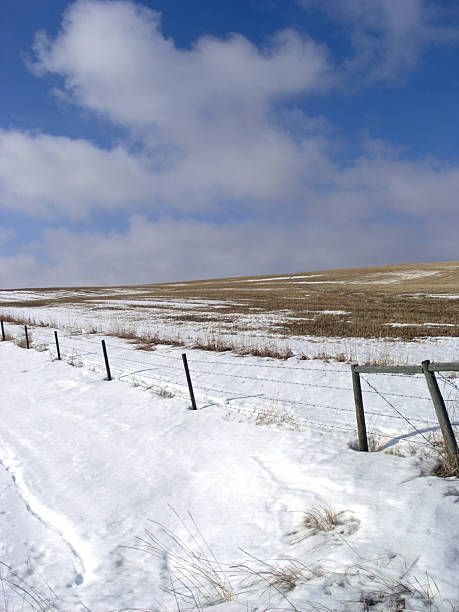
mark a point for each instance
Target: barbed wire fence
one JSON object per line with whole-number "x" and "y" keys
{"x": 282, "y": 399}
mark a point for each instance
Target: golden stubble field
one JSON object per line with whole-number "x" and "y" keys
{"x": 403, "y": 301}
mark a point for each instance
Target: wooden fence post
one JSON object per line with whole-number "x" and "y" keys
{"x": 359, "y": 411}
{"x": 57, "y": 346}
{"x": 442, "y": 415}
{"x": 107, "y": 365}
{"x": 3, "y": 333}
{"x": 188, "y": 379}
{"x": 26, "y": 336}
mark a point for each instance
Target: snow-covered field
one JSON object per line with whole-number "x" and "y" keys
{"x": 220, "y": 495}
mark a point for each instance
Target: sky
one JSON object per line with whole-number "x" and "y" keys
{"x": 168, "y": 140}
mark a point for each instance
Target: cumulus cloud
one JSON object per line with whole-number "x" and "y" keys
{"x": 45, "y": 175}
{"x": 184, "y": 249}
{"x": 115, "y": 60}
{"x": 388, "y": 36}
{"x": 205, "y": 118}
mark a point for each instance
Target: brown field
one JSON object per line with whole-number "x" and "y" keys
{"x": 405, "y": 301}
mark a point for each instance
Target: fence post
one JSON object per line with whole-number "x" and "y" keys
{"x": 26, "y": 336}
{"x": 188, "y": 379}
{"x": 57, "y": 346}
{"x": 107, "y": 365}
{"x": 442, "y": 415}
{"x": 3, "y": 333}
{"x": 359, "y": 411}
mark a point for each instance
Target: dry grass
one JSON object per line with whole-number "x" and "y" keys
{"x": 220, "y": 345}
{"x": 267, "y": 350}
{"x": 163, "y": 392}
{"x": 364, "y": 302}
{"x": 21, "y": 341}
{"x": 74, "y": 360}
{"x": 281, "y": 576}
{"x": 446, "y": 467}
{"x": 321, "y": 519}
{"x": 375, "y": 443}
{"x": 196, "y": 577}
{"x": 145, "y": 346}
{"x": 20, "y": 596}
{"x": 276, "y": 414}
{"x": 394, "y": 594}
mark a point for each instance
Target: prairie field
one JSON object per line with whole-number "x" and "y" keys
{"x": 405, "y": 302}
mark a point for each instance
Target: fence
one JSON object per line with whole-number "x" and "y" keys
{"x": 428, "y": 370}
{"x": 320, "y": 399}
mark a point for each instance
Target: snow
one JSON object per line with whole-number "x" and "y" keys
{"x": 417, "y": 324}
{"x": 395, "y": 277}
{"x": 276, "y": 278}
{"x": 333, "y": 312}
{"x": 86, "y": 465}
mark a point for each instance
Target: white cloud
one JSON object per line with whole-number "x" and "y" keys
{"x": 46, "y": 175}
{"x": 115, "y": 60}
{"x": 388, "y": 36}
{"x": 205, "y": 117}
{"x": 168, "y": 250}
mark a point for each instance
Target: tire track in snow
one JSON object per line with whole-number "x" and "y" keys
{"x": 84, "y": 561}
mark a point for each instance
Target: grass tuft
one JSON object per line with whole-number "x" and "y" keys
{"x": 20, "y": 596}
{"x": 196, "y": 577}
{"x": 321, "y": 519}
{"x": 445, "y": 468}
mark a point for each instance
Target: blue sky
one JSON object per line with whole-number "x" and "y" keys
{"x": 167, "y": 140}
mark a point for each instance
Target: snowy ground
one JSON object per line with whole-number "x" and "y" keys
{"x": 88, "y": 465}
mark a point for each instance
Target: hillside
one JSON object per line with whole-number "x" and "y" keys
{"x": 404, "y": 301}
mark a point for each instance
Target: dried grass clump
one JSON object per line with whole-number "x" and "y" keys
{"x": 323, "y": 356}
{"x": 321, "y": 519}
{"x": 445, "y": 468}
{"x": 127, "y": 333}
{"x": 375, "y": 443}
{"x": 212, "y": 343}
{"x": 280, "y": 575}
{"x": 399, "y": 593}
{"x": 220, "y": 345}
{"x": 149, "y": 342}
{"x": 163, "y": 392}
{"x": 277, "y": 415}
{"x": 17, "y": 320}
{"x": 267, "y": 350}
{"x": 145, "y": 346}
{"x": 22, "y": 342}
{"x": 196, "y": 577}
{"x": 74, "y": 359}
{"x": 18, "y": 595}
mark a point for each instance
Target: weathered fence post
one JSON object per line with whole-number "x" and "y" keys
{"x": 57, "y": 346}
{"x": 442, "y": 415}
{"x": 107, "y": 365}
{"x": 26, "y": 336}
{"x": 188, "y": 379}
{"x": 3, "y": 332}
{"x": 359, "y": 411}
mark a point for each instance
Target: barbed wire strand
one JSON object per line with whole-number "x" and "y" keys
{"x": 398, "y": 412}
{"x": 124, "y": 373}
{"x": 448, "y": 381}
